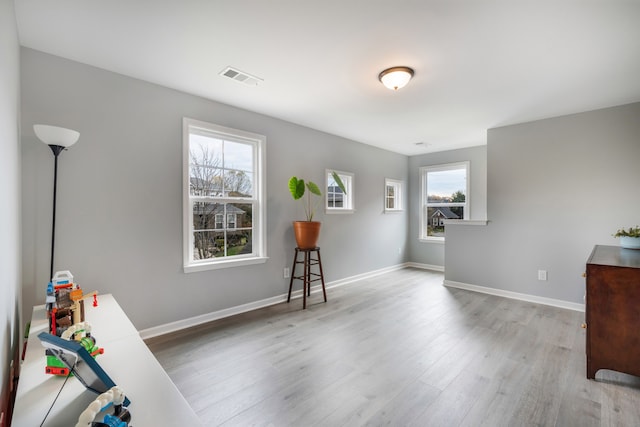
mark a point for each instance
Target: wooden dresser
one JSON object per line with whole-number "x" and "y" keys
{"x": 613, "y": 310}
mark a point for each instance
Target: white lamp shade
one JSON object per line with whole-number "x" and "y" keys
{"x": 396, "y": 77}
{"x": 54, "y": 135}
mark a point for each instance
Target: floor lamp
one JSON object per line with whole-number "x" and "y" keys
{"x": 58, "y": 139}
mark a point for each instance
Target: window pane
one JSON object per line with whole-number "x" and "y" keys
{"x": 390, "y": 191}
{"x": 208, "y": 216}
{"x": 446, "y": 186}
{"x": 239, "y": 242}
{"x": 390, "y": 197}
{"x": 434, "y": 223}
{"x": 331, "y": 183}
{"x": 203, "y": 149}
{"x": 335, "y": 198}
{"x": 334, "y": 193}
{"x": 238, "y": 183}
{"x": 238, "y": 156}
{"x": 222, "y": 229}
{"x": 208, "y": 244}
{"x": 241, "y": 213}
{"x": 205, "y": 166}
{"x": 239, "y": 228}
{"x": 220, "y": 168}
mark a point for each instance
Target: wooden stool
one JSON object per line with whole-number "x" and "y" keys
{"x": 306, "y": 274}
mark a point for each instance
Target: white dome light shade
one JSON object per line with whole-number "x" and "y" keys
{"x": 396, "y": 77}
{"x": 54, "y": 135}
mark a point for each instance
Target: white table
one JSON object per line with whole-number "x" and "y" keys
{"x": 155, "y": 400}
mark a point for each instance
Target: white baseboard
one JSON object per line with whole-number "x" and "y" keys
{"x": 367, "y": 275}
{"x": 209, "y": 317}
{"x": 439, "y": 268}
{"x": 515, "y": 295}
{"x": 232, "y": 311}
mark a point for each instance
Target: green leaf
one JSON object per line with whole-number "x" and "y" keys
{"x": 338, "y": 181}
{"x": 632, "y": 232}
{"x": 313, "y": 188}
{"x": 296, "y": 187}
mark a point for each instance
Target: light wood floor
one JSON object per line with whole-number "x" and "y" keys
{"x": 399, "y": 350}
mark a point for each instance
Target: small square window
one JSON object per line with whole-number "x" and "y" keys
{"x": 339, "y": 201}
{"x": 392, "y": 195}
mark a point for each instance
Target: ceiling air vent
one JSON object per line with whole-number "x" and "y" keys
{"x": 240, "y": 76}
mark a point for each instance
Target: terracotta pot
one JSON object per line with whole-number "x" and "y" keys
{"x": 307, "y": 233}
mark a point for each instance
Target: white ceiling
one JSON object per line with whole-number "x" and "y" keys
{"x": 478, "y": 64}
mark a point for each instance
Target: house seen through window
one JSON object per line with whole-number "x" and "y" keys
{"x": 444, "y": 195}
{"x": 338, "y": 201}
{"x": 224, "y": 204}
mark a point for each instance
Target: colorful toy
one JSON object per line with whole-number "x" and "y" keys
{"x": 65, "y": 311}
{"x": 87, "y": 370}
{"x": 121, "y": 415}
{"x": 65, "y": 302}
{"x": 80, "y": 332}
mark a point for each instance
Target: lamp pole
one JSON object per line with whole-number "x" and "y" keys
{"x": 57, "y": 149}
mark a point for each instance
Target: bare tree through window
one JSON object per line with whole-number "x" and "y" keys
{"x": 220, "y": 229}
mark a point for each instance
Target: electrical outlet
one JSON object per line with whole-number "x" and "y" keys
{"x": 542, "y": 274}
{"x": 286, "y": 273}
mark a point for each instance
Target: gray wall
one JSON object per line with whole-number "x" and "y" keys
{"x": 119, "y": 224}
{"x": 9, "y": 190}
{"x": 556, "y": 188}
{"x": 432, "y": 253}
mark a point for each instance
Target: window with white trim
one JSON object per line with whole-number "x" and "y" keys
{"x": 392, "y": 195}
{"x": 338, "y": 201}
{"x": 224, "y": 201}
{"x": 444, "y": 194}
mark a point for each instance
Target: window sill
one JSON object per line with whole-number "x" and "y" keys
{"x": 193, "y": 268}
{"x": 438, "y": 240}
{"x": 393, "y": 210}
{"x": 339, "y": 211}
{"x": 466, "y": 222}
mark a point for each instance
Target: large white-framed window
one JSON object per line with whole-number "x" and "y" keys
{"x": 338, "y": 201}
{"x": 444, "y": 194}
{"x": 393, "y": 195}
{"x": 224, "y": 215}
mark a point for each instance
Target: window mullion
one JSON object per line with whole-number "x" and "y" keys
{"x": 436, "y": 205}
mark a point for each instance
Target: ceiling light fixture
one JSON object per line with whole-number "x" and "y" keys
{"x": 396, "y": 77}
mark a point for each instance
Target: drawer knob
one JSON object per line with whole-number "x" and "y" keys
{"x": 583, "y": 326}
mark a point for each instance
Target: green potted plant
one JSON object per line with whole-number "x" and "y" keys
{"x": 307, "y": 232}
{"x": 629, "y": 238}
